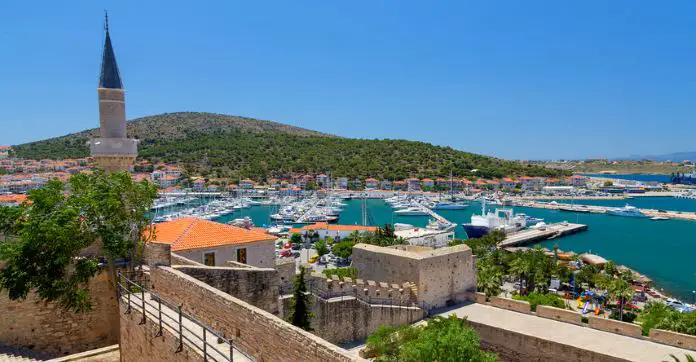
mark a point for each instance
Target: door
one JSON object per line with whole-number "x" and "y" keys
{"x": 242, "y": 255}
{"x": 209, "y": 259}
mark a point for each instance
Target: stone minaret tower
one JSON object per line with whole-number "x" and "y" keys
{"x": 113, "y": 151}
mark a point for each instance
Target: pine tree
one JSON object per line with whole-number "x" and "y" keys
{"x": 299, "y": 307}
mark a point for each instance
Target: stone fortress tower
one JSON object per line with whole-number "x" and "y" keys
{"x": 113, "y": 151}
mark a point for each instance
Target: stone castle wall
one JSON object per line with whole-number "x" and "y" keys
{"x": 442, "y": 276}
{"x": 264, "y": 336}
{"x": 48, "y": 328}
{"x": 257, "y": 286}
{"x": 369, "y": 291}
{"x": 139, "y": 341}
{"x": 512, "y": 346}
{"x": 347, "y": 319}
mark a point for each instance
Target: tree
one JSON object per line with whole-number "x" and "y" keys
{"x": 343, "y": 249}
{"x": 300, "y": 314}
{"x": 321, "y": 248}
{"x": 608, "y": 183}
{"x": 489, "y": 277}
{"x": 622, "y": 291}
{"x": 66, "y": 230}
{"x": 441, "y": 339}
{"x": 295, "y": 239}
{"x": 610, "y": 268}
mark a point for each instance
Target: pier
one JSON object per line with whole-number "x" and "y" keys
{"x": 677, "y": 215}
{"x": 551, "y": 231}
{"x": 436, "y": 216}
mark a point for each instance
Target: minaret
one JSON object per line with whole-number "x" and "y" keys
{"x": 113, "y": 151}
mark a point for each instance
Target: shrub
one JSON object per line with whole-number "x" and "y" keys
{"x": 349, "y": 272}
{"x": 536, "y": 298}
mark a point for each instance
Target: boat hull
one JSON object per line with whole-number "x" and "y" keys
{"x": 475, "y": 231}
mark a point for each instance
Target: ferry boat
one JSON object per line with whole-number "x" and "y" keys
{"x": 411, "y": 211}
{"x": 685, "y": 178}
{"x": 626, "y": 211}
{"x": 502, "y": 219}
{"x": 450, "y": 206}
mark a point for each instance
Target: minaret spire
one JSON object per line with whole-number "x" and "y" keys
{"x": 109, "y": 77}
{"x": 113, "y": 150}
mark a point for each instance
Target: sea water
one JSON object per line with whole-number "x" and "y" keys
{"x": 662, "y": 250}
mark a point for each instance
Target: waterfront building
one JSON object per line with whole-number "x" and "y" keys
{"x": 578, "y": 180}
{"x": 386, "y": 185}
{"x": 4, "y": 152}
{"x": 113, "y": 150}
{"x": 342, "y": 182}
{"x": 246, "y": 184}
{"x": 413, "y": 184}
{"x": 400, "y": 185}
{"x": 214, "y": 244}
{"x": 337, "y": 232}
{"x": 371, "y": 183}
{"x": 428, "y": 183}
{"x": 508, "y": 184}
{"x": 323, "y": 180}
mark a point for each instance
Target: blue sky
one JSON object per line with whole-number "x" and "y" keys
{"x": 515, "y": 79}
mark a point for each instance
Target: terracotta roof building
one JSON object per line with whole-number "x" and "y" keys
{"x": 325, "y": 230}
{"x": 215, "y": 244}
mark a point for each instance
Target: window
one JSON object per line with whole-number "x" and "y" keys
{"x": 242, "y": 255}
{"x": 209, "y": 259}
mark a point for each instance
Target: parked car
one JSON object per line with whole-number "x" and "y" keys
{"x": 286, "y": 253}
{"x": 296, "y": 246}
{"x": 313, "y": 258}
{"x": 296, "y": 254}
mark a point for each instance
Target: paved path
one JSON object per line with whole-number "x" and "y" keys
{"x": 632, "y": 349}
{"x": 193, "y": 333}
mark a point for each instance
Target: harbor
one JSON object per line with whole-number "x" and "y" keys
{"x": 655, "y": 214}
{"x": 551, "y": 231}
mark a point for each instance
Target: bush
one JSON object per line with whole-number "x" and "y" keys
{"x": 536, "y": 298}
{"x": 441, "y": 339}
{"x": 349, "y": 272}
{"x": 659, "y": 315}
{"x": 628, "y": 317}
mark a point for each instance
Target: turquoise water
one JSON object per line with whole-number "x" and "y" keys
{"x": 663, "y": 250}
{"x": 635, "y": 177}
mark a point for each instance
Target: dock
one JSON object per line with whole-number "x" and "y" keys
{"x": 551, "y": 231}
{"x": 595, "y": 209}
{"x": 436, "y": 216}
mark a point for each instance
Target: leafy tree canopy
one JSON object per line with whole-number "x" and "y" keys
{"x": 58, "y": 238}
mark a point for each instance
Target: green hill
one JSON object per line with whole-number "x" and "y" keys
{"x": 237, "y": 147}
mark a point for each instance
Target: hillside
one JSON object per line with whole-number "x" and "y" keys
{"x": 229, "y": 146}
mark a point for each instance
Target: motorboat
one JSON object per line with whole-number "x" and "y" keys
{"x": 411, "y": 211}
{"x": 626, "y": 211}
{"x": 501, "y": 219}
{"x": 450, "y": 206}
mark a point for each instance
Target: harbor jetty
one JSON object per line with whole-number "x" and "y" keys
{"x": 596, "y": 209}
{"x": 550, "y": 231}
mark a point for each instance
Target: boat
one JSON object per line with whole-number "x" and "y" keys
{"x": 574, "y": 208}
{"x": 684, "y": 178}
{"x": 411, "y": 211}
{"x": 658, "y": 218}
{"x": 626, "y": 211}
{"x": 531, "y": 221}
{"x": 450, "y": 206}
{"x": 501, "y": 219}
{"x": 244, "y": 222}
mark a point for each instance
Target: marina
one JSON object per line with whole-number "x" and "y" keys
{"x": 551, "y": 231}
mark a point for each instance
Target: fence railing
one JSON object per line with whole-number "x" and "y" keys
{"x": 211, "y": 344}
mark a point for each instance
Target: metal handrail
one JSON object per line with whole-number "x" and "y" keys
{"x": 137, "y": 298}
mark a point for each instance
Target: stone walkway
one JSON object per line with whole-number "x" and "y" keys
{"x": 628, "y": 348}
{"x": 193, "y": 333}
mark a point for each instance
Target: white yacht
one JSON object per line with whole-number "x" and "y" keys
{"x": 411, "y": 211}
{"x": 626, "y": 211}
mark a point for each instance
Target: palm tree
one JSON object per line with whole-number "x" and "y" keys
{"x": 689, "y": 358}
{"x": 622, "y": 291}
{"x": 520, "y": 266}
{"x": 489, "y": 278}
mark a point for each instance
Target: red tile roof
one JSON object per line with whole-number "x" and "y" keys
{"x": 193, "y": 233}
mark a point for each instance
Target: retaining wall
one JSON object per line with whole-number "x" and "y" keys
{"x": 614, "y": 326}
{"x": 558, "y": 314}
{"x": 511, "y": 304}
{"x": 52, "y": 330}
{"x": 347, "y": 319}
{"x": 264, "y": 336}
{"x": 673, "y": 338}
{"x": 257, "y": 286}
